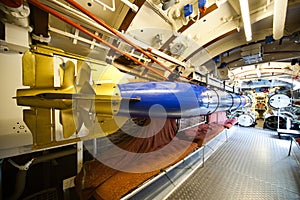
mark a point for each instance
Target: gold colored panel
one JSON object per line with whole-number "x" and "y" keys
{"x": 110, "y": 106}
{"x": 31, "y": 97}
{"x": 68, "y": 75}
{"x": 44, "y": 71}
{"x": 39, "y": 122}
{"x": 107, "y": 74}
{"x": 110, "y": 125}
{"x": 46, "y": 50}
{"x": 30, "y": 120}
{"x": 67, "y": 121}
{"x": 28, "y": 69}
{"x": 91, "y": 93}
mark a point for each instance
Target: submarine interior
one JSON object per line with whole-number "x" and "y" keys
{"x": 149, "y": 99}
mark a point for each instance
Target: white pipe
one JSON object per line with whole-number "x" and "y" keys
{"x": 197, "y": 124}
{"x": 134, "y": 7}
{"x": 198, "y": 16}
{"x": 157, "y": 52}
{"x": 74, "y": 13}
{"x": 21, "y": 167}
{"x": 246, "y": 19}
{"x": 280, "y": 9}
{"x": 105, "y": 6}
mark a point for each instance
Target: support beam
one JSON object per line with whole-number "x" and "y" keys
{"x": 130, "y": 16}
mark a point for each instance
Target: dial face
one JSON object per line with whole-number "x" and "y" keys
{"x": 245, "y": 120}
{"x": 279, "y": 101}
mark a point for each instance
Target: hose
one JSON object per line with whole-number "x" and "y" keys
{"x": 22, "y": 173}
{"x": 20, "y": 179}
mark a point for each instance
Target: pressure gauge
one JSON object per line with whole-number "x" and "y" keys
{"x": 279, "y": 101}
{"x": 245, "y": 120}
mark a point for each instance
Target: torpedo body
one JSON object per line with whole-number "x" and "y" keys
{"x": 175, "y": 100}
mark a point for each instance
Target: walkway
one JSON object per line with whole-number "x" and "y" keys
{"x": 253, "y": 164}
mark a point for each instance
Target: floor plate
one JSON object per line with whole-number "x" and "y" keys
{"x": 253, "y": 164}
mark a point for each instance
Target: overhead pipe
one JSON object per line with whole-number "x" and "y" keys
{"x": 244, "y": 5}
{"x": 117, "y": 33}
{"x": 71, "y": 12}
{"x": 113, "y": 8}
{"x": 133, "y": 7}
{"x": 279, "y": 18}
{"x": 72, "y": 23}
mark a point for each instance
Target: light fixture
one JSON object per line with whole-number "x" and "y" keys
{"x": 257, "y": 71}
{"x": 280, "y": 8}
{"x": 244, "y": 5}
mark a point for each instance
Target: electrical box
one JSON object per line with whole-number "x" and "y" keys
{"x": 201, "y": 3}
{"x": 187, "y": 10}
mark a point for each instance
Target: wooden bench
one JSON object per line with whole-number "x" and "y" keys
{"x": 288, "y": 132}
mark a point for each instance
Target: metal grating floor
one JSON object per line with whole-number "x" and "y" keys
{"x": 253, "y": 164}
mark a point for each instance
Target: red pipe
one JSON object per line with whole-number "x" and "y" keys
{"x": 12, "y": 3}
{"x": 72, "y": 23}
{"x": 114, "y": 31}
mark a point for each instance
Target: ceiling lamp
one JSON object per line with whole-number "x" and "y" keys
{"x": 246, "y": 19}
{"x": 280, "y": 8}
